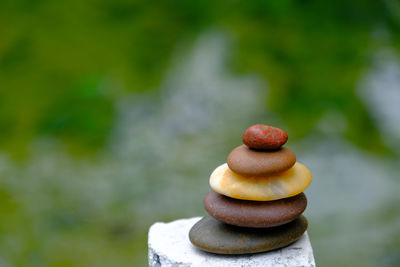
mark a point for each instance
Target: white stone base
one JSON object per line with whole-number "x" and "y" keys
{"x": 169, "y": 245}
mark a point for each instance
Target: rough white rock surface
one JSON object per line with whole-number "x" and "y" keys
{"x": 169, "y": 245}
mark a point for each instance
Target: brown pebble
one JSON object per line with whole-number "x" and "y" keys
{"x": 255, "y": 214}
{"x": 252, "y": 163}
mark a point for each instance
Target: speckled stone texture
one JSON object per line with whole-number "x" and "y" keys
{"x": 169, "y": 245}
{"x": 260, "y": 136}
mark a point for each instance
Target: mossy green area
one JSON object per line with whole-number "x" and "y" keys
{"x": 55, "y": 56}
{"x": 66, "y": 68}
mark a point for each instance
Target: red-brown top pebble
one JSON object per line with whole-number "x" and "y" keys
{"x": 264, "y": 137}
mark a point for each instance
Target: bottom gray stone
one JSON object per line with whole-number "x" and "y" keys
{"x": 169, "y": 245}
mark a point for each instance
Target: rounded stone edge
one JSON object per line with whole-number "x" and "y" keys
{"x": 299, "y": 253}
{"x": 237, "y": 221}
{"x": 261, "y": 250}
{"x": 254, "y": 139}
{"x": 215, "y": 180}
{"x": 280, "y": 169}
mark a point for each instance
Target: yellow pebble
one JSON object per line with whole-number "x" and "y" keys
{"x": 282, "y": 185}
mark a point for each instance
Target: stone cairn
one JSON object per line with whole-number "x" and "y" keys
{"x": 256, "y": 199}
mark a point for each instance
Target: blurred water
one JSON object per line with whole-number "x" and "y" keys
{"x": 159, "y": 158}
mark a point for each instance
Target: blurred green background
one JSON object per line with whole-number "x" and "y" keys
{"x": 113, "y": 114}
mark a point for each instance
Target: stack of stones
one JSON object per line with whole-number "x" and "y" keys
{"x": 256, "y": 199}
